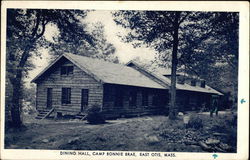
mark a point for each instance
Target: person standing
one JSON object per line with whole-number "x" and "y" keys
{"x": 214, "y": 107}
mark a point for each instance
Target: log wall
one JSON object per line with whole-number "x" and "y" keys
{"x": 77, "y": 81}
{"x": 192, "y": 101}
{"x": 111, "y": 110}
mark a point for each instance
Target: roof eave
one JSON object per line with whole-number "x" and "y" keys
{"x": 137, "y": 65}
{"x": 72, "y": 60}
{"x": 45, "y": 69}
{"x": 84, "y": 69}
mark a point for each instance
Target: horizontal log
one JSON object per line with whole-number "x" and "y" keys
{"x": 67, "y": 110}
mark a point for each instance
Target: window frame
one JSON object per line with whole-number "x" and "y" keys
{"x": 67, "y": 70}
{"x": 66, "y": 96}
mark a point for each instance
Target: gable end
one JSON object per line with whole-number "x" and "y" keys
{"x": 54, "y": 63}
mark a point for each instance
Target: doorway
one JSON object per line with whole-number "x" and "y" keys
{"x": 49, "y": 98}
{"x": 84, "y": 99}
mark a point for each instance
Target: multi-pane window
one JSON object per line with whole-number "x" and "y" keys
{"x": 66, "y": 95}
{"x": 67, "y": 70}
{"x": 144, "y": 98}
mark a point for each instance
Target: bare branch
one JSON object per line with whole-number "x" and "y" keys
{"x": 166, "y": 37}
{"x": 183, "y": 18}
{"x": 230, "y": 62}
{"x": 38, "y": 15}
{"x": 192, "y": 70}
{"x": 169, "y": 20}
{"x": 43, "y": 29}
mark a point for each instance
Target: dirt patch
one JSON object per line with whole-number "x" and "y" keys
{"x": 154, "y": 133}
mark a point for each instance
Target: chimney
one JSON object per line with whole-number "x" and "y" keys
{"x": 203, "y": 83}
{"x": 193, "y": 82}
{"x": 180, "y": 79}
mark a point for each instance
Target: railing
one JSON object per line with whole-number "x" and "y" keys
{"x": 48, "y": 113}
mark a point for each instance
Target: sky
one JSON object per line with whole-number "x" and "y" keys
{"x": 124, "y": 51}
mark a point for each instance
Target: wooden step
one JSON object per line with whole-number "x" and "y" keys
{"x": 81, "y": 116}
{"x": 38, "y": 117}
{"x": 44, "y": 113}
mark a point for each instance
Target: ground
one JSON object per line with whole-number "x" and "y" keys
{"x": 148, "y": 133}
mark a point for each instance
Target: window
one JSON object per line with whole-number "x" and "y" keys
{"x": 66, "y": 95}
{"x": 132, "y": 98}
{"x": 66, "y": 70}
{"x": 144, "y": 98}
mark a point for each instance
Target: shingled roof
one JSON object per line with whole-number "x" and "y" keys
{"x": 185, "y": 86}
{"x": 108, "y": 72}
{"x": 112, "y": 73}
{"x": 188, "y": 87}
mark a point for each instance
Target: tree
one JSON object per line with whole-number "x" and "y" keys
{"x": 216, "y": 53}
{"x": 102, "y": 48}
{"x": 181, "y": 35}
{"x": 25, "y": 36}
{"x": 160, "y": 30}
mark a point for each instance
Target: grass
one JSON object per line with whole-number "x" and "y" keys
{"x": 149, "y": 133}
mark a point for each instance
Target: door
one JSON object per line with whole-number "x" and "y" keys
{"x": 49, "y": 98}
{"x": 84, "y": 99}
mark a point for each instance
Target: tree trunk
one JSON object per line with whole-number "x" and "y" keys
{"x": 16, "y": 94}
{"x": 15, "y": 107}
{"x": 173, "y": 109}
{"x": 20, "y": 68}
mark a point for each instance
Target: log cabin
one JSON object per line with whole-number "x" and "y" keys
{"x": 73, "y": 83}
